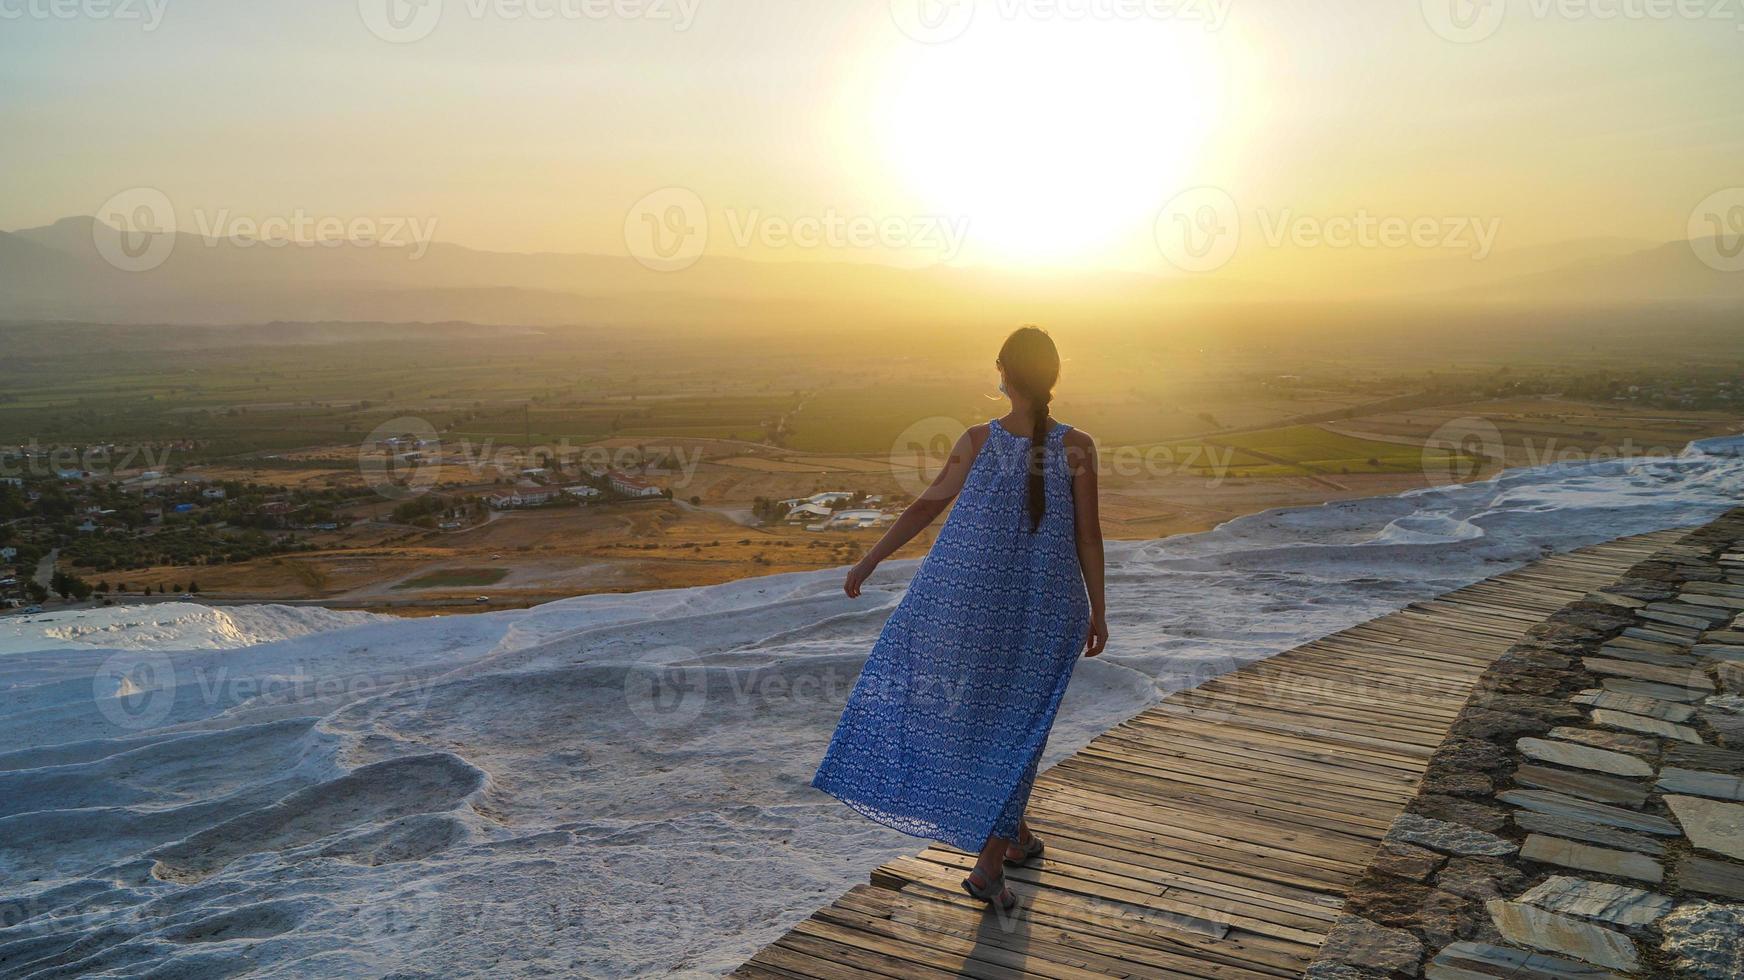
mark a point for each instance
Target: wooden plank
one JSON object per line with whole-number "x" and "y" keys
{"x": 1214, "y": 834}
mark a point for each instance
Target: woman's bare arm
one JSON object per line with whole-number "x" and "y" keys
{"x": 1081, "y": 457}
{"x": 923, "y": 511}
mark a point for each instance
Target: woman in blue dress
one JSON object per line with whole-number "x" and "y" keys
{"x": 946, "y": 725}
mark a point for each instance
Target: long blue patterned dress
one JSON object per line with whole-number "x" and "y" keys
{"x": 946, "y": 725}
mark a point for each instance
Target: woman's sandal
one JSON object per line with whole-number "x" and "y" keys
{"x": 1031, "y": 851}
{"x": 996, "y": 895}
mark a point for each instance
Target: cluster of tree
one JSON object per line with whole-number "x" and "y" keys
{"x": 188, "y": 545}
{"x": 123, "y": 588}
{"x": 69, "y": 586}
{"x": 434, "y": 508}
{"x": 1719, "y": 390}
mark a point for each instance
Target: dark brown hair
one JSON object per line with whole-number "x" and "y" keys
{"x": 1032, "y": 365}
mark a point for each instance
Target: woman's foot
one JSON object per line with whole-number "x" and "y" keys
{"x": 990, "y": 890}
{"x": 1027, "y": 848}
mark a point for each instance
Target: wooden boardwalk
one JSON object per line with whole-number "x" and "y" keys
{"x": 1214, "y": 834}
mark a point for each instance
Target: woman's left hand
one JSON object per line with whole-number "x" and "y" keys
{"x": 1097, "y": 639}
{"x": 857, "y": 576}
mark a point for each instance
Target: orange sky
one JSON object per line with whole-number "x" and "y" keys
{"x": 1012, "y": 133}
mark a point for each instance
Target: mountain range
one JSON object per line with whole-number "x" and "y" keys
{"x": 57, "y": 272}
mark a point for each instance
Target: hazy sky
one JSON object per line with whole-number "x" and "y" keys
{"x": 1045, "y": 138}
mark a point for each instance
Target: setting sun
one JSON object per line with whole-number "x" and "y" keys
{"x": 1056, "y": 141}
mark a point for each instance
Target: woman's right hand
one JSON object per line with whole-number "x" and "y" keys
{"x": 857, "y": 576}
{"x": 1096, "y": 639}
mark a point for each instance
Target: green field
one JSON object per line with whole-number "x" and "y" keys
{"x": 1247, "y": 404}
{"x": 455, "y": 578}
{"x": 1306, "y": 450}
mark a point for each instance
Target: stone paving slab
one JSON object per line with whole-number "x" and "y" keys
{"x": 1585, "y": 785}
{"x": 1583, "y": 757}
{"x": 1645, "y": 725}
{"x": 1528, "y": 925}
{"x": 1686, "y": 677}
{"x": 1586, "y": 857}
{"x": 1711, "y": 824}
{"x": 1482, "y": 961}
{"x": 1599, "y": 813}
{"x": 1636, "y": 705}
{"x": 1662, "y": 692}
{"x": 1710, "y": 877}
{"x": 1612, "y": 741}
{"x": 1587, "y": 833}
{"x": 1617, "y": 904}
{"x": 1717, "y": 785}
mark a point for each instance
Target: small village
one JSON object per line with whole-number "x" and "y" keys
{"x": 76, "y": 527}
{"x": 833, "y": 510}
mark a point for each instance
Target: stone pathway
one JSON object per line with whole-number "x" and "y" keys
{"x": 1585, "y": 817}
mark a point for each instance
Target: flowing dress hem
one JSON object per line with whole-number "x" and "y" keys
{"x": 922, "y": 829}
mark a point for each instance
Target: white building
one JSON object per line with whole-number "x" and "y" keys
{"x": 582, "y": 491}
{"x": 852, "y": 519}
{"x": 629, "y": 486}
{"x": 808, "y": 512}
{"x": 520, "y": 497}
{"x": 213, "y": 493}
{"x": 823, "y": 499}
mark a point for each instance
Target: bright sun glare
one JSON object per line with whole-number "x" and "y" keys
{"x": 1057, "y": 140}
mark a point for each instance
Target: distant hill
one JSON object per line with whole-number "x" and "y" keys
{"x": 56, "y": 272}
{"x": 1663, "y": 274}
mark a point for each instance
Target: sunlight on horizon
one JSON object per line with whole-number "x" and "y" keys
{"x": 1057, "y": 142}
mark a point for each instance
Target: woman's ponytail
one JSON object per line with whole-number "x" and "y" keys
{"x": 1038, "y": 461}
{"x": 1032, "y": 365}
